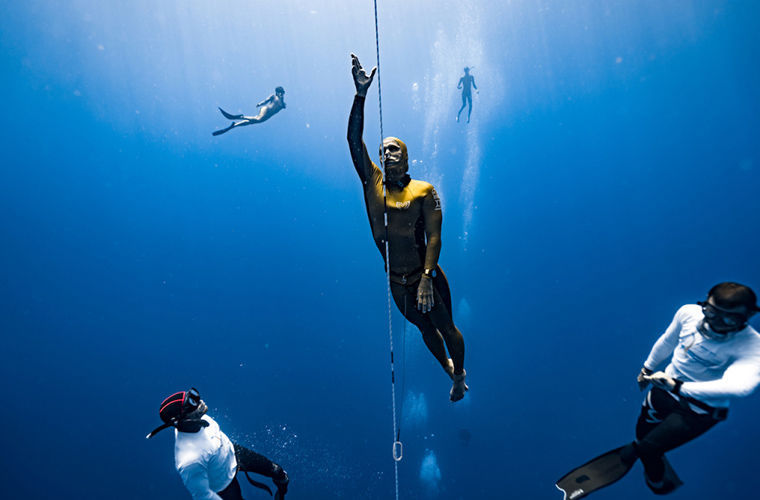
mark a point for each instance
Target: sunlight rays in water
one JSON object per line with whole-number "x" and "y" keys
{"x": 453, "y": 49}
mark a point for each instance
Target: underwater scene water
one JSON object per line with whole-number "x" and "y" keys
{"x": 609, "y": 174}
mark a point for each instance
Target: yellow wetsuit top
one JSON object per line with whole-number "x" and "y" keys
{"x": 414, "y": 209}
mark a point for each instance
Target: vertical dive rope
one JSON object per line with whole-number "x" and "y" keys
{"x": 397, "y": 446}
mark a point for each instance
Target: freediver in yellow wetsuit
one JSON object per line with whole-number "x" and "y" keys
{"x": 418, "y": 285}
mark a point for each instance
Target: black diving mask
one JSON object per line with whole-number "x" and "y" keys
{"x": 722, "y": 321}
{"x": 192, "y": 400}
{"x": 183, "y": 412}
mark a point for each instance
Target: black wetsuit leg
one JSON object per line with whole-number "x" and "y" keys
{"x": 437, "y": 326}
{"x": 405, "y": 297}
{"x": 250, "y": 461}
{"x": 664, "y": 424}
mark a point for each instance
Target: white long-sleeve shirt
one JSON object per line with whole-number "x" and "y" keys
{"x": 205, "y": 460}
{"x": 713, "y": 371}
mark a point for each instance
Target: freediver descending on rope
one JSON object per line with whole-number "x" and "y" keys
{"x": 269, "y": 107}
{"x": 418, "y": 284}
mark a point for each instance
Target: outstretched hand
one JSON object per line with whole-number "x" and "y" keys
{"x": 362, "y": 80}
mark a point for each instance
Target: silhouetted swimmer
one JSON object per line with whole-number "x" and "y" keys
{"x": 269, "y": 107}
{"x": 465, "y": 83}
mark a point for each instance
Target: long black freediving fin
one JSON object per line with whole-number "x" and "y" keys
{"x": 597, "y": 473}
{"x": 229, "y": 116}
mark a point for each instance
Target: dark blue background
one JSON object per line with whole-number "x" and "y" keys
{"x": 614, "y": 173}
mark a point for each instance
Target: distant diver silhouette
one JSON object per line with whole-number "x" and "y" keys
{"x": 464, "y": 83}
{"x": 269, "y": 107}
{"x": 418, "y": 285}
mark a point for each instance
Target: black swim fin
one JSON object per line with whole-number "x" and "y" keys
{"x": 598, "y": 473}
{"x": 257, "y": 484}
{"x": 229, "y": 116}
{"x": 220, "y": 132}
{"x": 669, "y": 482}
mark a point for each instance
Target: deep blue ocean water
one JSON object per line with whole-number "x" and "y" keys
{"x": 609, "y": 175}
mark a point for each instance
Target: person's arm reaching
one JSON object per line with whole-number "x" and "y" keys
{"x": 266, "y": 101}
{"x": 359, "y": 154}
{"x": 195, "y": 477}
{"x": 433, "y": 217}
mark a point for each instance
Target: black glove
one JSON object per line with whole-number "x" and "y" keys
{"x": 642, "y": 378}
{"x": 281, "y": 480}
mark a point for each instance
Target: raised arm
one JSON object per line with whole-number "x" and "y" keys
{"x": 359, "y": 154}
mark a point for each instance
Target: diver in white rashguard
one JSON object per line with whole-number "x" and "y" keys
{"x": 206, "y": 459}
{"x": 714, "y": 357}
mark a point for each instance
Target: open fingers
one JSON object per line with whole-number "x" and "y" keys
{"x": 424, "y": 302}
